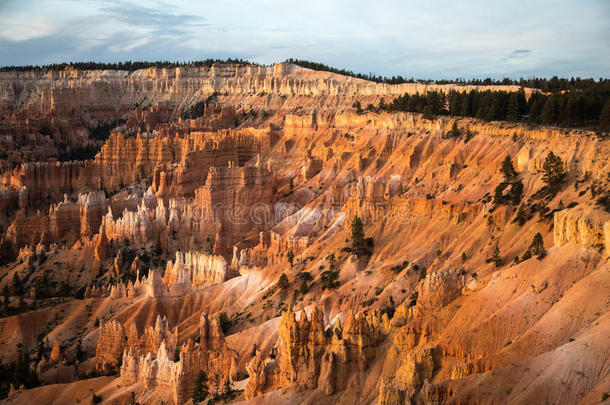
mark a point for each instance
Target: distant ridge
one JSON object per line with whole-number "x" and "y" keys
{"x": 551, "y": 85}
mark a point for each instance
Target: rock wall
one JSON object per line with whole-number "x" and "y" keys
{"x": 110, "y": 344}
{"x": 196, "y": 269}
{"x": 114, "y": 339}
{"x": 49, "y": 181}
{"x": 235, "y": 201}
{"x": 311, "y": 355}
{"x": 440, "y": 288}
{"x": 108, "y": 92}
{"x": 210, "y": 355}
{"x": 272, "y": 248}
{"x": 583, "y": 226}
{"x": 65, "y": 223}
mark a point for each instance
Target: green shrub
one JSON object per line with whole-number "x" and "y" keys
{"x": 283, "y": 282}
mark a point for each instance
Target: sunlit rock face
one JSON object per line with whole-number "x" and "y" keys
{"x": 224, "y": 248}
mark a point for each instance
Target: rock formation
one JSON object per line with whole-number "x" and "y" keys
{"x": 210, "y": 355}
{"x": 245, "y": 212}
{"x": 110, "y": 344}
{"x": 196, "y": 269}
{"x": 587, "y": 227}
{"x": 313, "y": 356}
{"x": 66, "y": 221}
{"x": 55, "y": 356}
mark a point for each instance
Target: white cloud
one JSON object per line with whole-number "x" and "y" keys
{"x": 430, "y": 39}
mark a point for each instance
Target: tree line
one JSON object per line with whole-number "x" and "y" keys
{"x": 588, "y": 107}
{"x": 553, "y": 84}
{"x": 129, "y": 66}
{"x": 371, "y": 77}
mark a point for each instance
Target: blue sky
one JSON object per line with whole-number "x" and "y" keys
{"x": 424, "y": 39}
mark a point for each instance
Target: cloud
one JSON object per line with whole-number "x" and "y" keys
{"x": 161, "y": 20}
{"x": 424, "y": 39}
{"x": 516, "y": 54}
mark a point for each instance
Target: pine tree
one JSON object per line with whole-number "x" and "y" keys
{"x": 22, "y": 374}
{"x": 537, "y": 246}
{"x": 455, "y": 131}
{"x": 227, "y": 388}
{"x": 283, "y": 282}
{"x": 290, "y": 256}
{"x": 604, "y": 118}
{"x": 200, "y": 388}
{"x": 158, "y": 249}
{"x": 521, "y": 215}
{"x": 17, "y": 285}
{"x": 549, "y": 113}
{"x": 553, "y": 172}
{"x": 132, "y": 399}
{"x": 357, "y": 236}
{"x": 422, "y": 273}
{"x": 512, "y": 110}
{"x": 495, "y": 258}
{"x": 7, "y": 296}
{"x": 508, "y": 171}
{"x": 332, "y": 261}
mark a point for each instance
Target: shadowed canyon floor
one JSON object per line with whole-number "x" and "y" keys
{"x": 218, "y": 256}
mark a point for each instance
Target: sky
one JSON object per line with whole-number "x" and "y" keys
{"x": 428, "y": 39}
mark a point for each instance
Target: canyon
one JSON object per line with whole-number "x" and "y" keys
{"x": 217, "y": 257}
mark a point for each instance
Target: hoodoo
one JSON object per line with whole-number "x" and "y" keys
{"x": 224, "y": 232}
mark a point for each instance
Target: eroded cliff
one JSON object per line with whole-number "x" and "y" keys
{"x": 463, "y": 286}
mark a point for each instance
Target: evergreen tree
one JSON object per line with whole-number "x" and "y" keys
{"x": 537, "y": 246}
{"x": 132, "y": 399}
{"x": 158, "y": 249}
{"x": 332, "y": 261}
{"x": 330, "y": 276}
{"x": 550, "y": 111}
{"x": 22, "y": 373}
{"x": 422, "y": 273}
{"x": 304, "y": 287}
{"x": 224, "y": 322}
{"x": 357, "y": 236}
{"x": 454, "y": 132}
{"x": 604, "y": 118}
{"x": 521, "y": 102}
{"x": 553, "y": 172}
{"x": 227, "y": 387}
{"x": 200, "y": 388}
{"x": 290, "y": 256}
{"x": 496, "y": 257}
{"x": 508, "y": 171}
{"x": 521, "y": 215}
{"x": 283, "y": 282}
{"x": 512, "y": 110}
{"x": 7, "y": 296}
{"x": 17, "y": 285}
